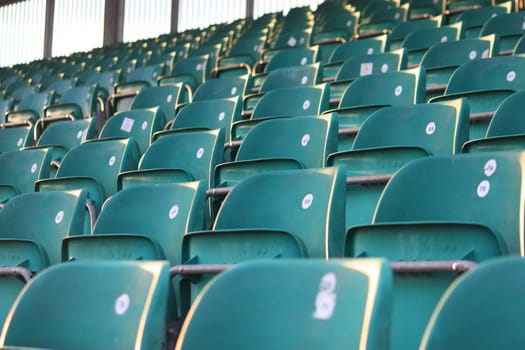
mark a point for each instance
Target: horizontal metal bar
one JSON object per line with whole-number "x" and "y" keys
{"x": 481, "y": 116}
{"x": 458, "y": 266}
{"x": 349, "y": 131}
{"x": 432, "y": 266}
{"x": 219, "y": 191}
{"x": 233, "y": 144}
{"x": 372, "y": 34}
{"x": 16, "y": 271}
{"x": 436, "y": 88}
{"x": 334, "y": 101}
{"x": 369, "y": 179}
{"x": 199, "y": 269}
{"x": 328, "y": 79}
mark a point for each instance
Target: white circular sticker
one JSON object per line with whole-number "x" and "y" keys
{"x": 472, "y": 54}
{"x": 370, "y": 50}
{"x": 444, "y": 39}
{"x": 59, "y": 217}
{"x": 200, "y": 153}
{"x": 174, "y": 211}
{"x": 511, "y": 75}
{"x": 221, "y": 116}
{"x": 490, "y": 167}
{"x": 233, "y": 91}
{"x": 384, "y": 68}
{"x": 301, "y": 41}
{"x": 348, "y": 23}
{"x": 112, "y": 160}
{"x": 494, "y": 15}
{"x": 154, "y": 74}
{"x": 122, "y": 304}
{"x": 397, "y": 15}
{"x": 169, "y": 98}
{"x": 328, "y": 282}
{"x": 255, "y": 47}
{"x": 19, "y": 142}
{"x": 129, "y": 69}
{"x": 305, "y": 140}
{"x": 303, "y": 61}
{"x": 398, "y": 90}
{"x": 33, "y": 168}
{"x": 111, "y": 80}
{"x": 483, "y": 188}
{"x": 304, "y": 80}
{"x": 431, "y": 128}
{"x": 199, "y": 67}
{"x": 144, "y": 125}
{"x": 79, "y": 134}
{"x": 306, "y": 104}
{"x": 307, "y": 201}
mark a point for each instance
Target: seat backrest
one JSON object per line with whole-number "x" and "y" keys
{"x": 140, "y": 124}
{"x": 508, "y": 118}
{"x": 427, "y": 37}
{"x": 105, "y": 80}
{"x": 357, "y": 66}
{"x": 508, "y": 26}
{"x": 311, "y": 208}
{"x": 312, "y": 294}
{"x": 307, "y": 140}
{"x": 21, "y": 169}
{"x": 459, "y": 52}
{"x": 44, "y": 218}
{"x": 486, "y": 304}
{"x": 294, "y": 101}
{"x": 306, "y": 75}
{"x": 440, "y": 129}
{"x": 101, "y": 160}
{"x": 196, "y": 152}
{"x": 131, "y": 299}
{"x": 293, "y": 38}
{"x": 148, "y": 74}
{"x": 292, "y": 57}
{"x": 67, "y": 133}
{"x": 197, "y": 67}
{"x": 224, "y": 87}
{"x": 62, "y": 85}
{"x": 35, "y": 103}
{"x": 473, "y": 188}
{"x": 165, "y": 97}
{"x": 360, "y": 47}
{"x": 163, "y": 212}
{"x": 403, "y": 29}
{"x": 391, "y": 88}
{"x": 474, "y": 19}
{"x": 209, "y": 114}
{"x": 497, "y": 73}
{"x": 84, "y": 96}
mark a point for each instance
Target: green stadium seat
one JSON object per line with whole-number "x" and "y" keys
{"x": 6, "y": 105}
{"x": 383, "y": 20}
{"x": 403, "y": 29}
{"x": 144, "y": 222}
{"x": 509, "y": 28}
{"x": 15, "y": 136}
{"x": 392, "y": 88}
{"x": 486, "y": 83}
{"x": 127, "y": 307}
{"x": 441, "y": 208}
{"x": 357, "y": 66}
{"x": 191, "y": 72}
{"x": 20, "y": 170}
{"x": 305, "y": 75}
{"x": 473, "y": 20}
{"x": 285, "y": 102}
{"x": 486, "y": 304}
{"x": 506, "y": 129}
{"x": 167, "y": 98}
{"x": 418, "y": 42}
{"x": 224, "y": 87}
{"x": 441, "y": 60}
{"x": 76, "y": 103}
{"x": 366, "y": 46}
{"x": 312, "y": 295}
{"x": 140, "y": 124}
{"x": 181, "y": 156}
{"x": 60, "y": 86}
{"x": 94, "y": 165}
{"x": 34, "y": 224}
{"x": 241, "y": 57}
{"x": 259, "y": 219}
{"x": 390, "y": 138}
